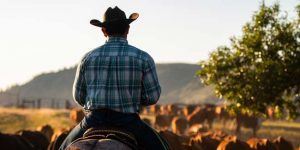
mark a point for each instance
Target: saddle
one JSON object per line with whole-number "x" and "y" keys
{"x": 111, "y": 136}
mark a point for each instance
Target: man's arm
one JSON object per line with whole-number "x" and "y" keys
{"x": 79, "y": 86}
{"x": 151, "y": 88}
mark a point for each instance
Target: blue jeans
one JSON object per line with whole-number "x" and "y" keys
{"x": 146, "y": 137}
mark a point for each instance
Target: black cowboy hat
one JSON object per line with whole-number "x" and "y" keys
{"x": 112, "y": 16}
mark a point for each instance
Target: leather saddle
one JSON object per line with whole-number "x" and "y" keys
{"x": 111, "y": 136}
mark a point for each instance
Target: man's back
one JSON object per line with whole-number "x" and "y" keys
{"x": 113, "y": 81}
{"x": 117, "y": 76}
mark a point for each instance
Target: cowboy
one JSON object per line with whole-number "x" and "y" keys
{"x": 114, "y": 81}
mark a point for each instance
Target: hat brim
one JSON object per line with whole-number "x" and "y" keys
{"x": 98, "y": 23}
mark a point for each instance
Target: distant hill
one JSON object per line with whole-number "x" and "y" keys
{"x": 178, "y": 81}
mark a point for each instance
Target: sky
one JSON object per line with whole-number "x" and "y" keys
{"x": 39, "y": 36}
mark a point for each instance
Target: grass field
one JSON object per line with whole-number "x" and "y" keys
{"x": 12, "y": 120}
{"x": 270, "y": 130}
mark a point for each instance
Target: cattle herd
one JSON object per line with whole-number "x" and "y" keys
{"x": 189, "y": 127}
{"x": 184, "y": 127}
{"x": 187, "y": 119}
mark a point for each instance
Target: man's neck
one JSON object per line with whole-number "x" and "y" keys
{"x": 120, "y": 36}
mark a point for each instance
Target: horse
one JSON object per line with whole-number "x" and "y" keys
{"x": 99, "y": 138}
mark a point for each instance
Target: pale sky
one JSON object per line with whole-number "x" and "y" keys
{"x": 39, "y": 36}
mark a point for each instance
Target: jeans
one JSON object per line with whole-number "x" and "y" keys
{"x": 146, "y": 137}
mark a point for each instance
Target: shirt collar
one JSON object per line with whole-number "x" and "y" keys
{"x": 116, "y": 39}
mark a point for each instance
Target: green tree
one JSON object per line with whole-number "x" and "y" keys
{"x": 261, "y": 68}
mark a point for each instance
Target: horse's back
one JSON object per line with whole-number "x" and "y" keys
{"x": 95, "y": 144}
{"x": 106, "y": 139}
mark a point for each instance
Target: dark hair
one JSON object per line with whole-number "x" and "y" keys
{"x": 117, "y": 28}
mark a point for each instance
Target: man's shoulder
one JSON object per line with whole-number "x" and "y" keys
{"x": 134, "y": 51}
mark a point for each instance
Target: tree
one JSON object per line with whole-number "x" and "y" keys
{"x": 261, "y": 68}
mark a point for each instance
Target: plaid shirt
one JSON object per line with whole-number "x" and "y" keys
{"x": 116, "y": 76}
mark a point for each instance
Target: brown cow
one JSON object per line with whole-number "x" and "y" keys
{"x": 196, "y": 128}
{"x": 204, "y": 141}
{"x": 270, "y": 111}
{"x": 163, "y": 122}
{"x": 76, "y": 115}
{"x": 37, "y": 139}
{"x": 222, "y": 115}
{"x": 58, "y": 132}
{"x": 179, "y": 125}
{"x": 163, "y": 110}
{"x": 154, "y": 109}
{"x": 14, "y": 142}
{"x": 173, "y": 109}
{"x": 47, "y": 130}
{"x": 282, "y": 144}
{"x": 57, "y": 139}
{"x": 261, "y": 144}
{"x": 174, "y": 141}
{"x": 232, "y": 143}
{"x": 187, "y": 110}
{"x": 196, "y": 117}
{"x": 219, "y": 135}
{"x": 247, "y": 121}
{"x": 202, "y": 115}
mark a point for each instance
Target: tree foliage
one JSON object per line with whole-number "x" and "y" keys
{"x": 261, "y": 68}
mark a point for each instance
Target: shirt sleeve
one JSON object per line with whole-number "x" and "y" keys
{"x": 151, "y": 89}
{"x": 79, "y": 85}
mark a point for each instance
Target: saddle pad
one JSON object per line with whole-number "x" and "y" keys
{"x": 95, "y": 144}
{"x": 112, "y": 133}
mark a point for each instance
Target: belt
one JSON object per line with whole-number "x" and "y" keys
{"x": 104, "y": 110}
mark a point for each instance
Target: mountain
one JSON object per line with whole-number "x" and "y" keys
{"x": 178, "y": 82}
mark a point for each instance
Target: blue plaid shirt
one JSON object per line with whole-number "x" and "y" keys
{"x": 116, "y": 76}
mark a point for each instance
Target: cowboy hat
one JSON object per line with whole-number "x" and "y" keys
{"x": 112, "y": 16}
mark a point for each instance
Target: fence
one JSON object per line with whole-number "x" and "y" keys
{"x": 44, "y": 103}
